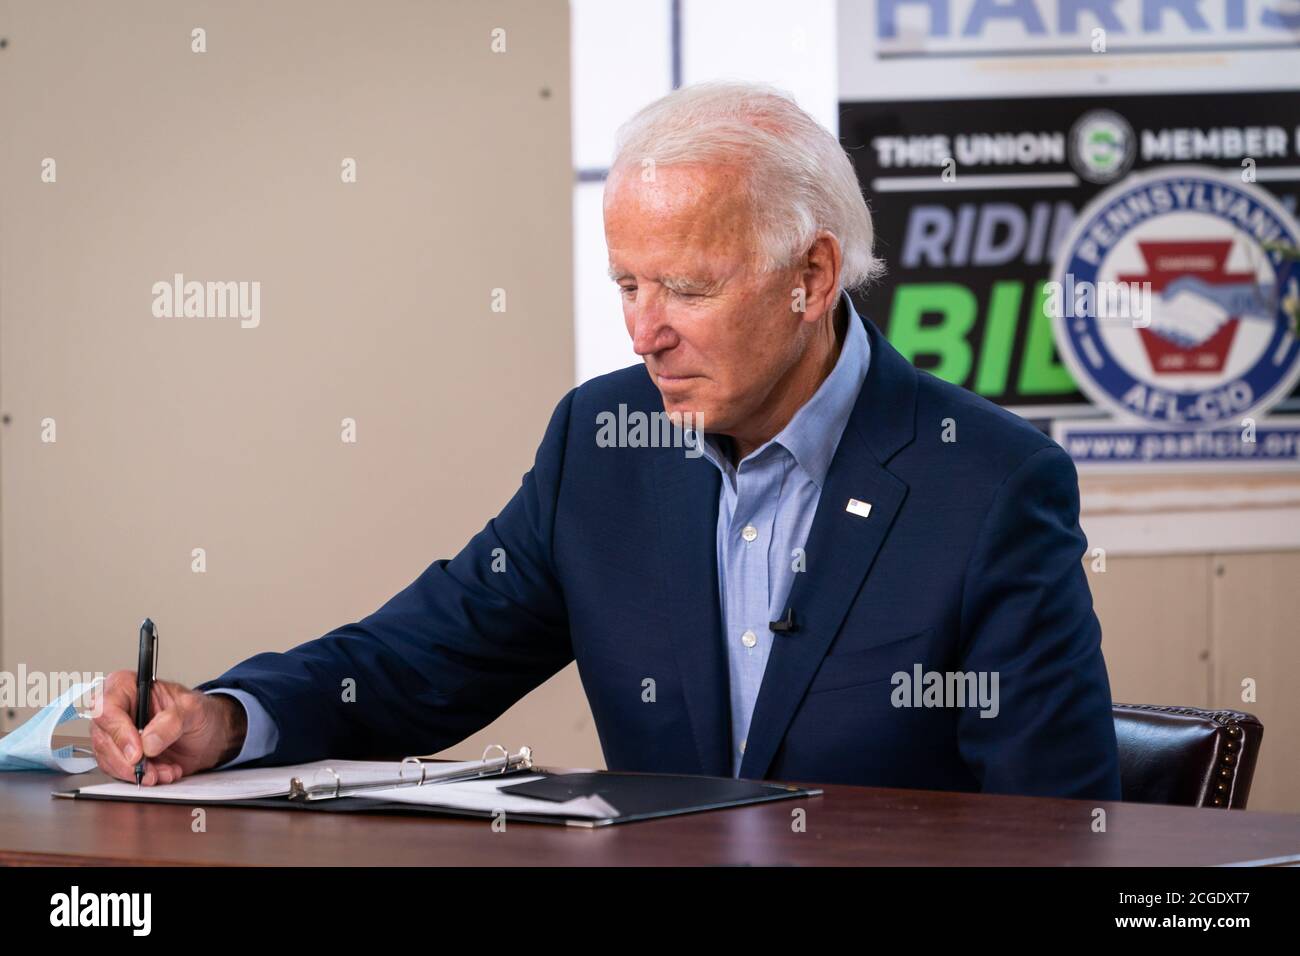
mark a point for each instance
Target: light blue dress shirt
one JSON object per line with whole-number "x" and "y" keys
{"x": 262, "y": 735}
{"x": 765, "y": 511}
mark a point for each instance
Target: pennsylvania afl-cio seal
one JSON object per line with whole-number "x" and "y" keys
{"x": 1216, "y": 344}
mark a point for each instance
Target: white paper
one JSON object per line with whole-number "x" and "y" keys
{"x": 483, "y": 795}
{"x": 215, "y": 786}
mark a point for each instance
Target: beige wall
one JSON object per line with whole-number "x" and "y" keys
{"x": 176, "y": 433}
{"x": 1189, "y": 629}
{"x": 1213, "y": 625}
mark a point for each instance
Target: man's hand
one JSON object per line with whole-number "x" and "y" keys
{"x": 188, "y": 730}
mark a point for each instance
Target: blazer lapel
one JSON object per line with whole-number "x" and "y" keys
{"x": 841, "y": 546}
{"x": 688, "y": 530}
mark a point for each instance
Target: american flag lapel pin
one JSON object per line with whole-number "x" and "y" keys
{"x": 860, "y": 508}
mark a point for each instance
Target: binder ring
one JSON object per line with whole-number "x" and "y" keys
{"x": 401, "y": 772}
{"x": 338, "y": 781}
{"x": 504, "y": 753}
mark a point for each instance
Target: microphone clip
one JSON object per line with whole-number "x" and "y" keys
{"x": 786, "y": 626}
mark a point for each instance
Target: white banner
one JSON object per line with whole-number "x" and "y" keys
{"x": 905, "y": 49}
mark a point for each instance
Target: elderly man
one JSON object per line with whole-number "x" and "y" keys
{"x": 868, "y": 576}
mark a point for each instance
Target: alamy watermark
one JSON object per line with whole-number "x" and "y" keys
{"x": 946, "y": 689}
{"x": 179, "y": 299}
{"x": 129, "y": 910}
{"x": 1128, "y": 302}
{"x": 40, "y": 689}
{"x": 624, "y": 429}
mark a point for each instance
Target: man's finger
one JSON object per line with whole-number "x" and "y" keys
{"x": 109, "y": 756}
{"x": 122, "y": 732}
{"x": 118, "y": 719}
{"x": 156, "y": 772}
{"x": 163, "y": 731}
{"x": 118, "y": 690}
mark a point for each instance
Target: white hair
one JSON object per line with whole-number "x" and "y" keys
{"x": 798, "y": 178}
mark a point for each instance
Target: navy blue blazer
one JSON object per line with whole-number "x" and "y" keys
{"x": 970, "y": 560}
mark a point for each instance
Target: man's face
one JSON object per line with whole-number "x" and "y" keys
{"x": 717, "y": 336}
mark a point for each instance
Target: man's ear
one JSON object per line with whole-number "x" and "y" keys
{"x": 821, "y": 275}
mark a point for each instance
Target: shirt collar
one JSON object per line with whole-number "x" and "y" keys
{"x": 813, "y": 434}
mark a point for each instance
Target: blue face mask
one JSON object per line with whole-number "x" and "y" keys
{"x": 30, "y": 747}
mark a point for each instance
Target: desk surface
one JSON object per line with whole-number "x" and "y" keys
{"x": 846, "y": 826}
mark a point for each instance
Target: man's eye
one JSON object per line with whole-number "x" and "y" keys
{"x": 626, "y": 289}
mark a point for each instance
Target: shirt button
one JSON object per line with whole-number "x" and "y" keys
{"x": 749, "y": 638}
{"x": 750, "y": 532}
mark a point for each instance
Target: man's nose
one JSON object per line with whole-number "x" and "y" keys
{"x": 651, "y": 331}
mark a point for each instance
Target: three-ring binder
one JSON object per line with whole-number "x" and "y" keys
{"x": 579, "y": 798}
{"x": 428, "y": 774}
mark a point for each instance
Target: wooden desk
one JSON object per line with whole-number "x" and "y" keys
{"x": 847, "y": 826}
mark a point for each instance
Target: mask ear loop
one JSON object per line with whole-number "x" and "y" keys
{"x": 91, "y": 712}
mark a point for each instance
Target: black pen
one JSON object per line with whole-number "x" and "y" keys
{"x": 146, "y": 670}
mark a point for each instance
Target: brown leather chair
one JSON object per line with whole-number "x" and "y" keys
{"x": 1186, "y": 756}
